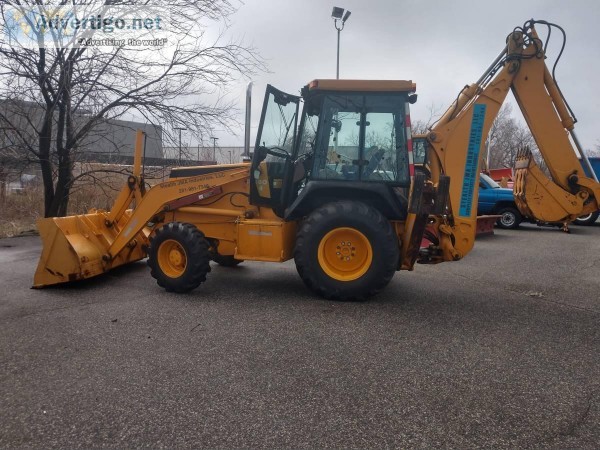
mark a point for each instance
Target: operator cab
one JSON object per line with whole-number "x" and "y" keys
{"x": 352, "y": 141}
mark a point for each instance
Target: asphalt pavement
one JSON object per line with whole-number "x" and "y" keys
{"x": 499, "y": 350}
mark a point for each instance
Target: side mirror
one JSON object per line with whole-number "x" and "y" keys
{"x": 412, "y": 99}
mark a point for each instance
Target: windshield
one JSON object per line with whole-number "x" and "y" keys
{"x": 491, "y": 183}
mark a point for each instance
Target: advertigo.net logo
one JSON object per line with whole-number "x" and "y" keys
{"x": 84, "y": 23}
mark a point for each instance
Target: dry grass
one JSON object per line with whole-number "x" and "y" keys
{"x": 20, "y": 211}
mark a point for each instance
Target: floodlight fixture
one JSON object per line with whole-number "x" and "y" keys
{"x": 337, "y": 13}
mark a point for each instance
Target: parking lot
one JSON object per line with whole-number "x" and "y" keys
{"x": 500, "y": 350}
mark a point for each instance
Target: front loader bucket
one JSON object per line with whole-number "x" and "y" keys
{"x": 74, "y": 248}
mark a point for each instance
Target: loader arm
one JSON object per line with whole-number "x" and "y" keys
{"x": 170, "y": 195}
{"x": 456, "y": 142}
{"x": 83, "y": 246}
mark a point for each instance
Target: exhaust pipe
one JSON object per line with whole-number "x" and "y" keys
{"x": 246, "y": 155}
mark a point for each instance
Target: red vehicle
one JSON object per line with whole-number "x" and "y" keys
{"x": 504, "y": 177}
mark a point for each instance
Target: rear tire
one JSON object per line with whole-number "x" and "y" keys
{"x": 178, "y": 257}
{"x": 588, "y": 219}
{"x": 346, "y": 251}
{"x": 511, "y": 218}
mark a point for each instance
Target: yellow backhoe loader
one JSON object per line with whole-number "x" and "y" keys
{"x": 335, "y": 187}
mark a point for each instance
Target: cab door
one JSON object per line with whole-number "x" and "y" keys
{"x": 272, "y": 168}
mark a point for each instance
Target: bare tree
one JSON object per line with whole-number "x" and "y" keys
{"x": 422, "y": 126}
{"x": 58, "y": 93}
{"x": 595, "y": 153}
{"x": 206, "y": 154}
{"x": 506, "y": 137}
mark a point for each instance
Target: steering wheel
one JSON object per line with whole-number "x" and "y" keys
{"x": 376, "y": 156}
{"x": 278, "y": 152}
{"x": 303, "y": 158}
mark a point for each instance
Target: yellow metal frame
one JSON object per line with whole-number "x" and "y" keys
{"x": 363, "y": 85}
{"x": 217, "y": 203}
{"x": 79, "y": 247}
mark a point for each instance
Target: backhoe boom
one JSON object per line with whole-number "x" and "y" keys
{"x": 456, "y": 142}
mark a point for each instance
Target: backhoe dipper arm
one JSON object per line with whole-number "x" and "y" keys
{"x": 457, "y": 140}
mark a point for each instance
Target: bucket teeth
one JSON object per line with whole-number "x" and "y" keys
{"x": 524, "y": 155}
{"x": 523, "y": 161}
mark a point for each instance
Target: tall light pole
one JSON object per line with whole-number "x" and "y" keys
{"x": 215, "y": 139}
{"x": 180, "y": 130}
{"x": 339, "y": 16}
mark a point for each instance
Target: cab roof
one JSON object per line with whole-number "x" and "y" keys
{"x": 362, "y": 85}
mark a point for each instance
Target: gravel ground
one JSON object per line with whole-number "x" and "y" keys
{"x": 500, "y": 350}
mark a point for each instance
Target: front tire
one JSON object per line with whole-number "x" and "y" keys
{"x": 511, "y": 218}
{"x": 346, "y": 251}
{"x": 178, "y": 257}
{"x": 588, "y": 219}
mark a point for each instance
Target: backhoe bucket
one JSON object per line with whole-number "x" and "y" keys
{"x": 538, "y": 197}
{"x": 74, "y": 247}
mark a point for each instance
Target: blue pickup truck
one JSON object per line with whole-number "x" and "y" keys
{"x": 494, "y": 199}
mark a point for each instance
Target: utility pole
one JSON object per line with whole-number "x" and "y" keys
{"x": 339, "y": 17}
{"x": 215, "y": 139}
{"x": 180, "y": 130}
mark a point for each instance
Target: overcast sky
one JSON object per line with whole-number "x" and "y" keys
{"x": 441, "y": 45}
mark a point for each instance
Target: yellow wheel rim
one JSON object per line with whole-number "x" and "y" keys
{"x": 172, "y": 258}
{"x": 345, "y": 254}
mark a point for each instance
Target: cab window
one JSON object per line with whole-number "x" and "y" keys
{"x": 362, "y": 138}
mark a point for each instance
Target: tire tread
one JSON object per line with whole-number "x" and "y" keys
{"x": 198, "y": 259}
{"x": 310, "y": 231}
